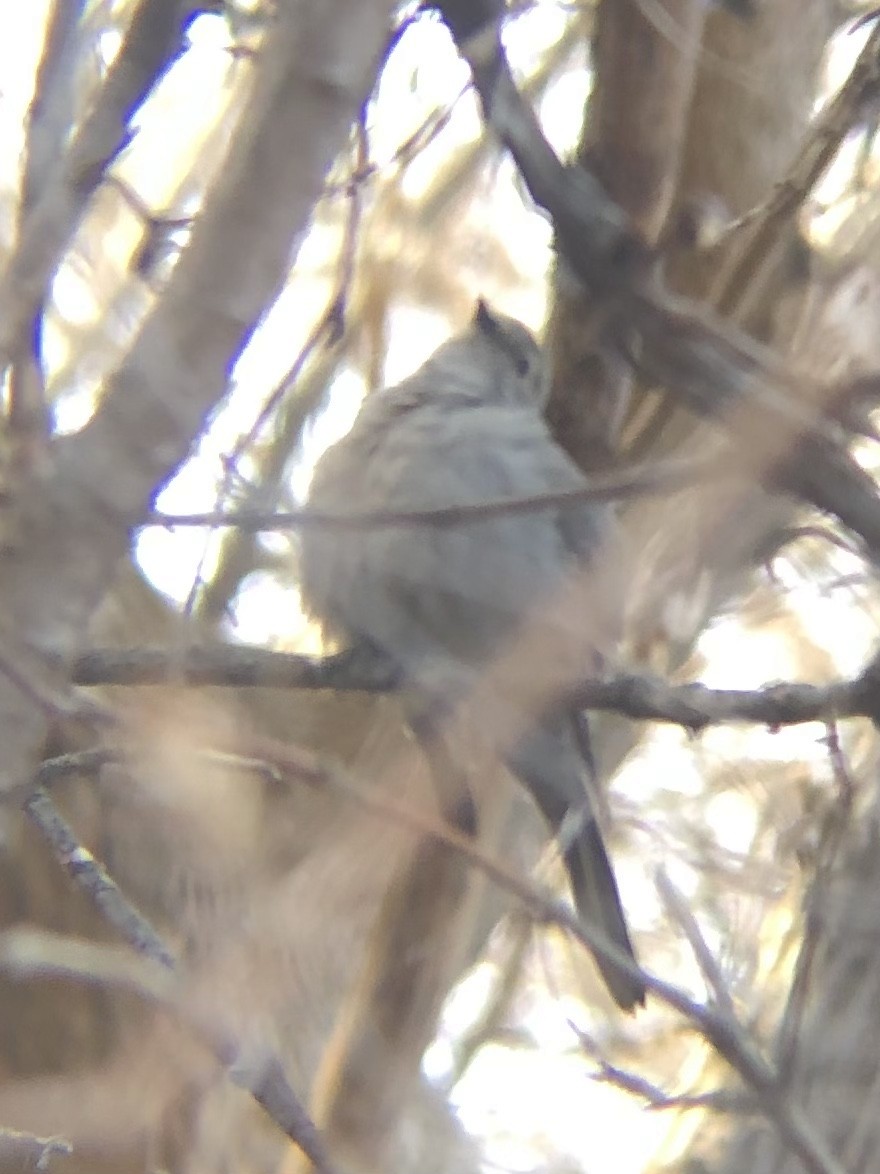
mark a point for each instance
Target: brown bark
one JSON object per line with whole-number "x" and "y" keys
{"x": 77, "y": 518}
{"x": 72, "y": 516}
{"x": 751, "y": 106}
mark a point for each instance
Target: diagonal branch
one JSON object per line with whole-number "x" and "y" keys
{"x": 717, "y": 1026}
{"x": 312, "y": 76}
{"x": 149, "y": 46}
{"x": 266, "y": 1082}
{"x": 713, "y": 368}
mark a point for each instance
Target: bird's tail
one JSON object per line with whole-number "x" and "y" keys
{"x": 552, "y": 761}
{"x": 598, "y": 905}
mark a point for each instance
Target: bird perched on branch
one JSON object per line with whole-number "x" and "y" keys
{"x": 445, "y": 601}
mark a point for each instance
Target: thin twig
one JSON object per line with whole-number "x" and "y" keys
{"x": 25, "y": 1151}
{"x": 677, "y": 908}
{"x": 749, "y": 243}
{"x": 506, "y": 981}
{"x": 151, "y": 43}
{"x": 268, "y": 1085}
{"x": 719, "y": 1101}
{"x": 834, "y": 827}
{"x": 27, "y": 952}
{"x": 762, "y": 227}
{"x": 712, "y": 367}
{"x": 89, "y": 875}
{"x": 722, "y": 1031}
{"x": 79, "y": 762}
{"x": 652, "y": 477}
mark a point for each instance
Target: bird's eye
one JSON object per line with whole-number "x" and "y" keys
{"x": 522, "y": 365}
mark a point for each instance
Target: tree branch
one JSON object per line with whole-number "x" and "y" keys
{"x": 150, "y": 44}
{"x": 640, "y": 698}
{"x": 717, "y": 1026}
{"x": 640, "y": 480}
{"x": 267, "y": 1083}
{"x": 713, "y": 368}
{"x": 313, "y": 74}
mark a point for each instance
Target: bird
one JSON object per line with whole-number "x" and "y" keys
{"x": 441, "y": 602}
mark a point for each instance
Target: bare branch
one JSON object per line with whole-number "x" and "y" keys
{"x": 150, "y": 44}
{"x": 641, "y": 698}
{"x": 835, "y": 825}
{"x": 313, "y": 75}
{"x": 652, "y": 477}
{"x": 232, "y": 665}
{"x": 48, "y": 125}
{"x": 89, "y": 874}
{"x": 677, "y": 907}
{"x": 646, "y": 58}
{"x": 54, "y": 770}
{"x": 721, "y": 1030}
{"x": 757, "y": 232}
{"x": 721, "y": 1101}
{"x": 267, "y": 1082}
{"x": 717, "y": 371}
{"x": 23, "y": 1151}
{"x": 27, "y": 953}
{"x": 51, "y": 110}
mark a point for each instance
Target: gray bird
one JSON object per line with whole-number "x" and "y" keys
{"x": 441, "y": 602}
